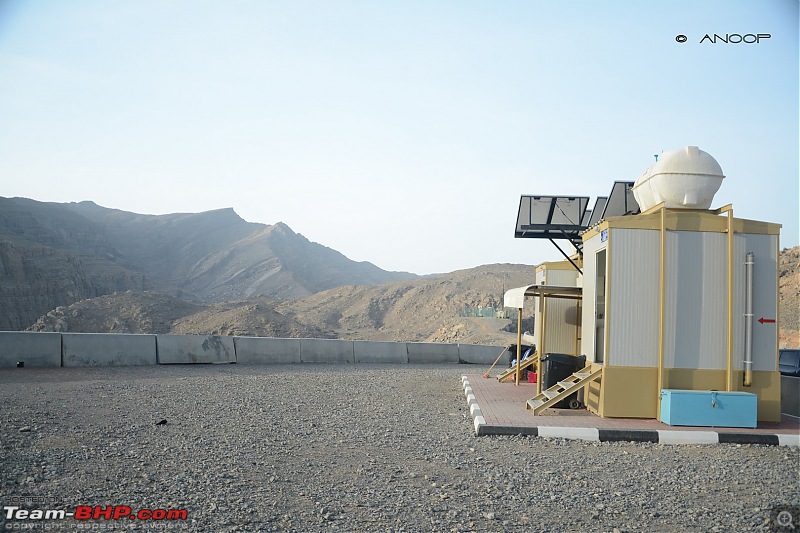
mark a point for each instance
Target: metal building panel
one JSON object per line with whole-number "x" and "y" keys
{"x": 633, "y": 305}
{"x": 695, "y": 328}
{"x": 590, "y": 248}
{"x": 561, "y": 328}
{"x": 562, "y": 278}
{"x": 765, "y": 299}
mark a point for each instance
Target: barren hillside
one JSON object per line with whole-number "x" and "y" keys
{"x": 254, "y": 317}
{"x": 123, "y": 312}
{"x": 425, "y": 309}
{"x": 790, "y": 298}
{"x": 418, "y": 310}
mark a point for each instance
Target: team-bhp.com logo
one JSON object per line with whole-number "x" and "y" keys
{"x": 94, "y": 512}
{"x": 728, "y": 38}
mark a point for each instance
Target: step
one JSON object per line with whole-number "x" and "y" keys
{"x": 534, "y": 403}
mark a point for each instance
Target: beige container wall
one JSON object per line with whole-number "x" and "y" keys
{"x": 696, "y": 321}
{"x": 562, "y": 328}
{"x": 631, "y": 392}
{"x": 633, "y": 301}
{"x": 590, "y": 249}
{"x": 562, "y": 274}
{"x": 765, "y": 299}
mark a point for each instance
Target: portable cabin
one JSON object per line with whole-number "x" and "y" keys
{"x": 677, "y": 297}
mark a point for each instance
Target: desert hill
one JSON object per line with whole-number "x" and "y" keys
{"x": 789, "y": 311}
{"x": 426, "y": 308}
{"x": 53, "y": 255}
{"x": 423, "y": 309}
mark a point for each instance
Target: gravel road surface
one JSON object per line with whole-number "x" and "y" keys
{"x": 346, "y": 448}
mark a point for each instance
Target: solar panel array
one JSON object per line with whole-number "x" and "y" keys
{"x": 566, "y": 217}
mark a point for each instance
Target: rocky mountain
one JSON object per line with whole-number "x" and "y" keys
{"x": 49, "y": 257}
{"x": 424, "y": 309}
{"x": 52, "y": 255}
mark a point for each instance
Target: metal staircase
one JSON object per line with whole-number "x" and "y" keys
{"x": 562, "y": 389}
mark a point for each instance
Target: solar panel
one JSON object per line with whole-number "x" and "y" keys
{"x": 597, "y": 212}
{"x": 621, "y": 201}
{"x": 551, "y": 217}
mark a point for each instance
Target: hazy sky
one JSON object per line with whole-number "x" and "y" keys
{"x": 397, "y": 132}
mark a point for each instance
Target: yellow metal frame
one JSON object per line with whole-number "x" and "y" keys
{"x": 662, "y": 299}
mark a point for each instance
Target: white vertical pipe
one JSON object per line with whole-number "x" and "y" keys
{"x": 748, "y": 320}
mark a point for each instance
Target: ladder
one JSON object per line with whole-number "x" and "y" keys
{"x": 562, "y": 389}
{"x": 525, "y": 363}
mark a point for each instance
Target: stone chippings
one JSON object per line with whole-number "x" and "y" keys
{"x": 352, "y": 448}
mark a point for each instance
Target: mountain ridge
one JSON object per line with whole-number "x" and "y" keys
{"x": 208, "y": 257}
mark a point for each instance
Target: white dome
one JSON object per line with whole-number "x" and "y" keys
{"x": 687, "y": 178}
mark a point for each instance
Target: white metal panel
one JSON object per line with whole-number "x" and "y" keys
{"x": 633, "y": 300}
{"x": 765, "y": 299}
{"x": 590, "y": 248}
{"x": 695, "y": 328}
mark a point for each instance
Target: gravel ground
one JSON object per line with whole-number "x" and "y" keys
{"x": 349, "y": 448}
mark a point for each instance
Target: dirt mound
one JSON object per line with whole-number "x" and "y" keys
{"x": 124, "y": 312}
{"x": 254, "y": 317}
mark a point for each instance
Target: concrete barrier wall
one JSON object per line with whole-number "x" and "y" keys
{"x": 178, "y": 349}
{"x": 35, "y": 350}
{"x": 326, "y": 351}
{"x": 432, "y": 352}
{"x": 107, "y": 349}
{"x": 101, "y": 349}
{"x": 478, "y": 354}
{"x": 790, "y": 395}
{"x": 265, "y": 350}
{"x": 380, "y": 352}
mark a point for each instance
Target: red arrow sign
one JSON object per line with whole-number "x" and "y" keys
{"x": 766, "y": 320}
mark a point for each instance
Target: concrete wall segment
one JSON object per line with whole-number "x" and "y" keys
{"x": 265, "y": 350}
{"x": 380, "y": 352}
{"x": 34, "y": 350}
{"x": 108, "y": 349}
{"x": 183, "y": 349}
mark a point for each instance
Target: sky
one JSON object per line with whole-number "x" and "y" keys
{"x": 397, "y": 132}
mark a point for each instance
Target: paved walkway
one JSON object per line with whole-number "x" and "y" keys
{"x": 499, "y": 409}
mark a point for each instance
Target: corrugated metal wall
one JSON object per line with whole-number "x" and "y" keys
{"x": 564, "y": 278}
{"x": 695, "y": 329}
{"x": 561, "y": 328}
{"x": 765, "y": 301}
{"x": 633, "y": 300}
{"x": 696, "y": 320}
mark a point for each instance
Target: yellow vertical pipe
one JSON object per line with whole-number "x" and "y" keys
{"x": 519, "y": 343}
{"x": 662, "y": 282}
{"x": 729, "y": 373}
{"x": 540, "y": 325}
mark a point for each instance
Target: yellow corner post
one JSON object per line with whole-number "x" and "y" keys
{"x": 519, "y": 344}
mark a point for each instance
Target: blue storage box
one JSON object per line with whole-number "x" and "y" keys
{"x": 709, "y": 408}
